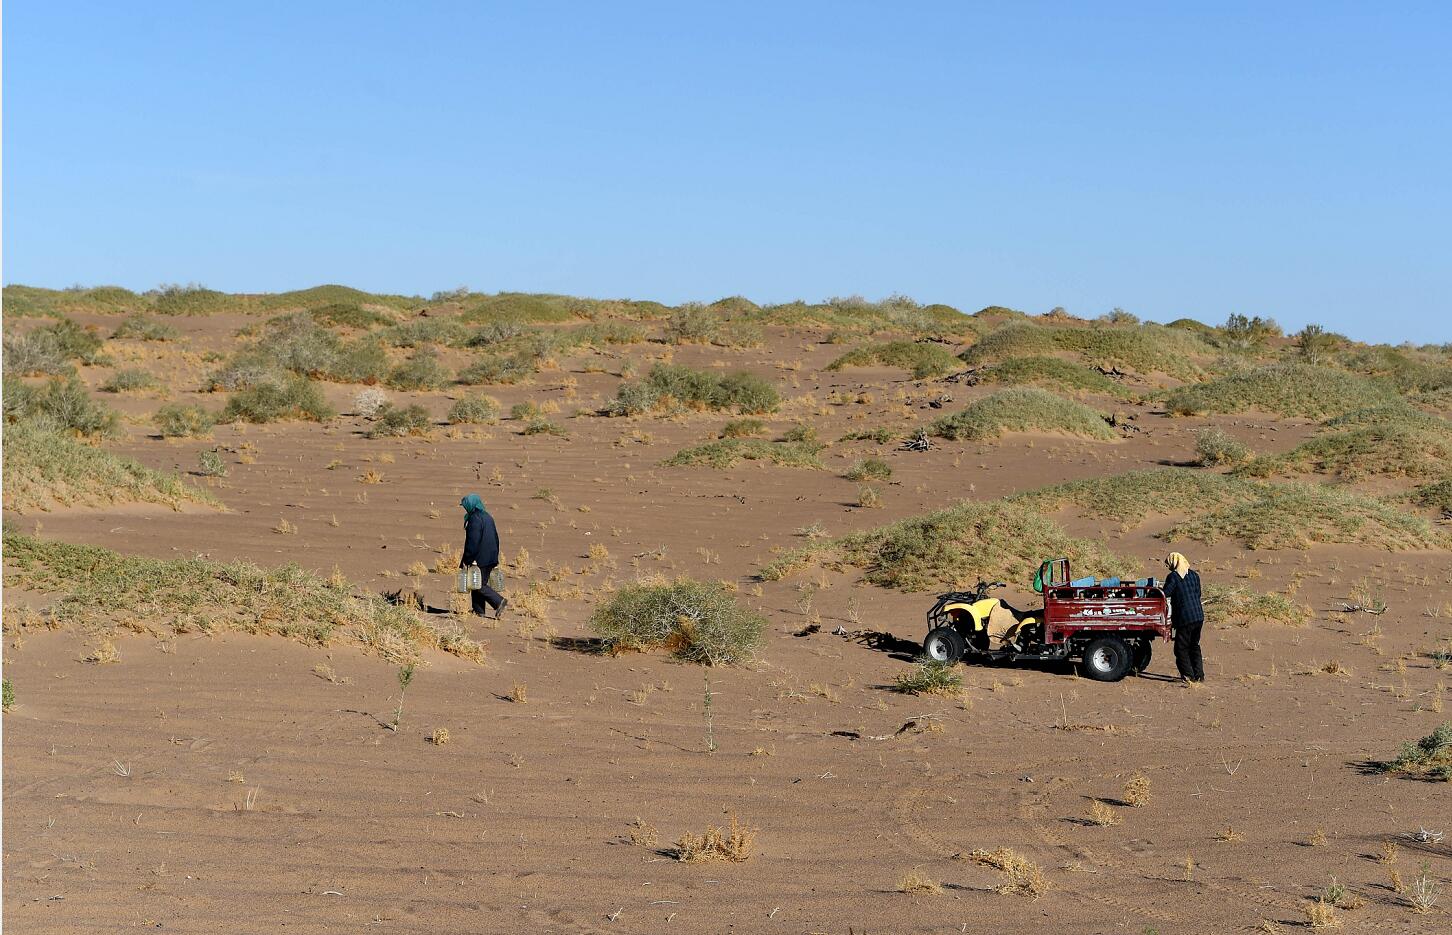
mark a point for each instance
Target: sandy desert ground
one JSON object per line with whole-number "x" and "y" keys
{"x": 224, "y": 781}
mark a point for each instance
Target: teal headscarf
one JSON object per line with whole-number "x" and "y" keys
{"x": 472, "y": 504}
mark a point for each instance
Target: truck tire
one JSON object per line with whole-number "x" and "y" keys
{"x": 944, "y": 644}
{"x": 1144, "y": 651}
{"x": 1106, "y": 659}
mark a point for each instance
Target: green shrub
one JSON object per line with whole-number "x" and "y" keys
{"x": 744, "y": 392}
{"x": 1427, "y": 758}
{"x": 803, "y": 433}
{"x": 44, "y": 467}
{"x": 1136, "y": 494}
{"x": 1436, "y": 494}
{"x": 880, "y": 435}
{"x": 37, "y": 353}
{"x": 91, "y": 588}
{"x": 742, "y": 428}
{"x": 539, "y": 425}
{"x": 296, "y": 398}
{"x": 210, "y": 463}
{"x": 351, "y": 315}
{"x": 193, "y": 299}
{"x": 1239, "y": 606}
{"x": 929, "y": 678}
{"x": 633, "y": 399}
{"x": 1405, "y": 444}
{"x": 524, "y": 410}
{"x": 474, "y": 410}
{"x": 869, "y": 469}
{"x": 519, "y": 306}
{"x": 692, "y": 324}
{"x": 923, "y": 359}
{"x": 728, "y": 452}
{"x": 422, "y": 332}
{"x": 1144, "y": 348}
{"x": 128, "y": 381}
{"x": 422, "y": 371}
{"x": 493, "y": 369}
{"x": 1053, "y": 372}
{"x": 394, "y": 421}
{"x": 1021, "y": 409}
{"x": 362, "y": 361}
{"x": 1297, "y": 516}
{"x": 1293, "y": 389}
{"x": 7, "y": 695}
{"x": 497, "y": 332}
{"x": 145, "y": 328}
{"x": 1245, "y": 333}
{"x": 74, "y": 341}
{"x": 1215, "y": 447}
{"x": 184, "y": 420}
{"x": 61, "y": 404}
{"x": 696, "y": 621}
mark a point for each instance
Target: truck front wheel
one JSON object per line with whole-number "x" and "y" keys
{"x": 1107, "y": 659}
{"x": 944, "y": 644}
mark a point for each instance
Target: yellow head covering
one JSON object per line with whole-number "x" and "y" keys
{"x": 1178, "y": 563}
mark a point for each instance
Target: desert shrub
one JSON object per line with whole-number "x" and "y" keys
{"x": 1053, "y": 372}
{"x": 350, "y": 315}
{"x": 43, "y": 468}
{"x": 742, "y": 428}
{"x": 192, "y": 299}
{"x": 602, "y": 333}
{"x": 61, "y": 405}
{"x": 880, "y": 435}
{"x": 91, "y": 586}
{"x": 1144, "y": 348}
{"x": 1408, "y": 370}
{"x": 184, "y": 420}
{"x": 1239, "y": 605}
{"x": 361, "y": 361}
{"x": 747, "y": 393}
{"x": 1314, "y": 343}
{"x": 318, "y": 298}
{"x": 296, "y": 343}
{"x": 74, "y": 341}
{"x": 728, "y": 452}
{"x": 1118, "y": 316}
{"x": 869, "y": 469}
{"x": 1293, "y": 389}
{"x": 1428, "y": 758}
{"x": 1021, "y": 409}
{"x": 37, "y": 353}
{"x": 129, "y": 380}
{"x": 1245, "y": 333}
{"x": 732, "y": 843}
{"x": 924, "y": 359}
{"x": 524, "y": 410}
{"x": 1021, "y": 876}
{"x": 422, "y": 332}
{"x": 539, "y": 425}
{"x": 210, "y": 463}
{"x": 696, "y": 621}
{"x": 496, "y": 332}
{"x": 144, "y": 328}
{"x": 422, "y": 371}
{"x": 1417, "y": 446}
{"x": 497, "y": 369}
{"x": 929, "y": 677}
{"x": 1297, "y": 516}
{"x": 295, "y": 398}
{"x": 743, "y": 392}
{"x": 692, "y": 324}
{"x": 394, "y": 421}
{"x": 739, "y": 334}
{"x": 519, "y": 306}
{"x": 369, "y": 401}
{"x": 31, "y": 301}
{"x": 474, "y": 409}
{"x": 1215, "y": 447}
{"x": 953, "y": 547}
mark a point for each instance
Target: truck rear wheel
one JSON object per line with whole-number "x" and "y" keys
{"x": 944, "y": 644}
{"x": 1107, "y": 659}
{"x": 1144, "y": 651}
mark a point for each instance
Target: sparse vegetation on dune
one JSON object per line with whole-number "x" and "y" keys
{"x": 296, "y": 399}
{"x": 929, "y": 678}
{"x": 33, "y": 301}
{"x": 1289, "y": 389}
{"x": 1298, "y": 516}
{"x": 497, "y": 369}
{"x": 184, "y": 420}
{"x": 669, "y": 385}
{"x": 1021, "y": 409}
{"x": 728, "y": 452}
{"x": 296, "y": 344}
{"x": 953, "y": 547}
{"x": 1144, "y": 348}
{"x": 144, "y": 328}
{"x": 922, "y": 358}
{"x": 696, "y": 621}
{"x": 1216, "y": 448}
{"x": 1427, "y": 758}
{"x": 733, "y": 843}
{"x": 1240, "y": 605}
{"x": 1136, "y": 494}
{"x": 1055, "y": 373}
{"x": 45, "y": 469}
{"x": 130, "y": 380}
{"x": 855, "y": 314}
{"x": 97, "y": 589}
{"x": 1396, "y": 441}
{"x": 392, "y": 421}
{"x": 59, "y": 405}
{"x": 1435, "y": 494}
{"x": 474, "y": 409}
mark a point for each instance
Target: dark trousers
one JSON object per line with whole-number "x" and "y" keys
{"x": 486, "y": 596}
{"x": 1187, "y": 651}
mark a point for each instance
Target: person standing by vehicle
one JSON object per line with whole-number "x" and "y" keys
{"x": 1187, "y": 616}
{"x": 481, "y": 547}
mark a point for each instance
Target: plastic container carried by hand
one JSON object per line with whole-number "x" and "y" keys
{"x": 470, "y": 579}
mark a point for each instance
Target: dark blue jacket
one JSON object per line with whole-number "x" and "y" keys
{"x": 1184, "y": 595}
{"x": 481, "y": 541}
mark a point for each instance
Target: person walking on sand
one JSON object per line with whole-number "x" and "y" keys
{"x": 1187, "y": 616}
{"x": 481, "y": 547}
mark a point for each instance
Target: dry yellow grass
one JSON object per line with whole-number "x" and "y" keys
{"x": 642, "y": 833}
{"x": 1022, "y": 877}
{"x": 1137, "y": 791}
{"x": 733, "y": 843}
{"x": 519, "y": 694}
{"x": 1320, "y": 915}
{"x": 917, "y": 883}
{"x": 1101, "y": 813}
{"x": 439, "y": 737}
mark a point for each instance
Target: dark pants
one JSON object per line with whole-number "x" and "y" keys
{"x": 1187, "y": 651}
{"x": 486, "y": 596}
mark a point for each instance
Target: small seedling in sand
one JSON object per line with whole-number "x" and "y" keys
{"x": 732, "y": 843}
{"x": 283, "y": 527}
{"x": 405, "y": 676}
{"x": 1229, "y": 836}
{"x": 1334, "y": 667}
{"x": 708, "y": 712}
{"x": 1387, "y": 853}
{"x": 1424, "y": 891}
{"x": 1394, "y": 880}
{"x": 1101, "y": 813}
{"x": 1137, "y": 791}
{"x": 418, "y": 569}
{"x": 642, "y": 833}
{"x": 1189, "y": 867}
{"x": 917, "y": 883}
{"x": 1317, "y": 838}
{"x": 104, "y": 654}
{"x": 439, "y": 737}
{"x": 7, "y": 695}
{"x": 236, "y": 776}
{"x": 370, "y": 476}
{"x": 210, "y": 463}
{"x": 519, "y": 694}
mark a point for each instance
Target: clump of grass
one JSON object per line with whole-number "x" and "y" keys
{"x": 422, "y": 371}
{"x": 879, "y": 435}
{"x": 728, "y": 452}
{"x": 1055, "y": 373}
{"x": 1289, "y": 389}
{"x": 497, "y": 369}
{"x": 1321, "y": 914}
{"x": 95, "y": 588}
{"x": 1137, "y": 791}
{"x": 1021, "y": 876}
{"x": 184, "y": 420}
{"x": 351, "y": 315}
{"x": 697, "y": 621}
{"x": 210, "y": 463}
{"x": 669, "y": 384}
{"x": 296, "y": 398}
{"x": 1436, "y": 494}
{"x": 869, "y": 497}
{"x": 396, "y": 421}
{"x": 1215, "y": 447}
{"x": 742, "y": 428}
{"x": 1021, "y": 409}
{"x": 60, "y": 405}
{"x": 1413, "y": 447}
{"x": 130, "y": 380}
{"x": 923, "y": 358}
{"x": 734, "y": 843}
{"x": 1240, "y": 605}
{"x": 929, "y": 678}
{"x": 1297, "y": 516}
{"x": 7, "y": 695}
{"x": 917, "y": 883}
{"x": 539, "y": 425}
{"x": 1102, "y": 814}
{"x": 869, "y": 469}
{"x": 1135, "y": 494}
{"x": 474, "y": 409}
{"x": 44, "y": 468}
{"x": 955, "y": 547}
{"x": 1427, "y": 758}
{"x": 144, "y": 328}
{"x": 1145, "y": 348}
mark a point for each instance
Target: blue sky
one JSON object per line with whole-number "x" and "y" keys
{"x": 1281, "y": 159}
